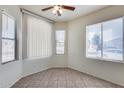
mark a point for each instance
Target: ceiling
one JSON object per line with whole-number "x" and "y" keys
{"x": 80, "y": 10}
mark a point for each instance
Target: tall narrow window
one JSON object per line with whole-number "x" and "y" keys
{"x": 60, "y": 42}
{"x": 8, "y": 38}
{"x": 39, "y": 38}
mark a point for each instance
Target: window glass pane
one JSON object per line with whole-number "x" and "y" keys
{"x": 93, "y": 46}
{"x": 60, "y": 36}
{"x": 112, "y": 39}
{"x": 8, "y": 50}
{"x": 8, "y": 27}
{"x": 60, "y": 48}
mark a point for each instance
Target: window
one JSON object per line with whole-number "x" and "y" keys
{"x": 112, "y": 39}
{"x": 60, "y": 42}
{"x": 105, "y": 40}
{"x": 39, "y": 38}
{"x": 8, "y": 38}
{"x": 94, "y": 41}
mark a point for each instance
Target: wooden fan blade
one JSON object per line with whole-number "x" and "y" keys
{"x": 68, "y": 7}
{"x": 47, "y": 8}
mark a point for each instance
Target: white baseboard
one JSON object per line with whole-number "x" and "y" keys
{"x": 120, "y": 84}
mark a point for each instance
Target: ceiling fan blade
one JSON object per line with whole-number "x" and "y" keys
{"x": 68, "y": 7}
{"x": 47, "y": 8}
{"x": 58, "y": 13}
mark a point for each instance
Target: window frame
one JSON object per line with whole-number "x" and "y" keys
{"x": 6, "y": 38}
{"x": 60, "y": 42}
{"x": 101, "y": 58}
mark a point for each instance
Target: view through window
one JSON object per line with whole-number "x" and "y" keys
{"x": 105, "y": 40}
{"x": 112, "y": 39}
{"x": 94, "y": 40}
{"x": 60, "y": 41}
{"x": 8, "y": 38}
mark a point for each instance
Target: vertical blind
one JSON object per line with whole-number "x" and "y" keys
{"x": 39, "y": 42}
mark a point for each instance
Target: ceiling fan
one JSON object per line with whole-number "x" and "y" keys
{"x": 57, "y": 9}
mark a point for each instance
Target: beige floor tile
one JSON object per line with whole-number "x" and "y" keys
{"x": 62, "y": 78}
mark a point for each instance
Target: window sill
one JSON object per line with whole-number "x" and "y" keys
{"x": 60, "y": 54}
{"x": 3, "y": 63}
{"x": 103, "y": 59}
{"x": 36, "y": 58}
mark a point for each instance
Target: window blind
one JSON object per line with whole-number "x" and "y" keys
{"x": 39, "y": 42}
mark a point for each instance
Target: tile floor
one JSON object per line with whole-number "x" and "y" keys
{"x": 62, "y": 78}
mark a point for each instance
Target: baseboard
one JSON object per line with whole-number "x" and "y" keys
{"x": 59, "y": 67}
{"x": 35, "y": 72}
{"x": 122, "y": 85}
{"x": 41, "y": 71}
{"x": 14, "y": 82}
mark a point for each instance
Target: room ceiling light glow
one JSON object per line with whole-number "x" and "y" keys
{"x": 57, "y": 10}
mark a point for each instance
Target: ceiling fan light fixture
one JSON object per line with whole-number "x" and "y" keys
{"x": 56, "y": 7}
{"x": 54, "y": 11}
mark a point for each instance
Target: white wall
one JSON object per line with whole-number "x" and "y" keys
{"x": 11, "y": 72}
{"x": 60, "y": 60}
{"x": 31, "y": 66}
{"x": 110, "y": 71}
